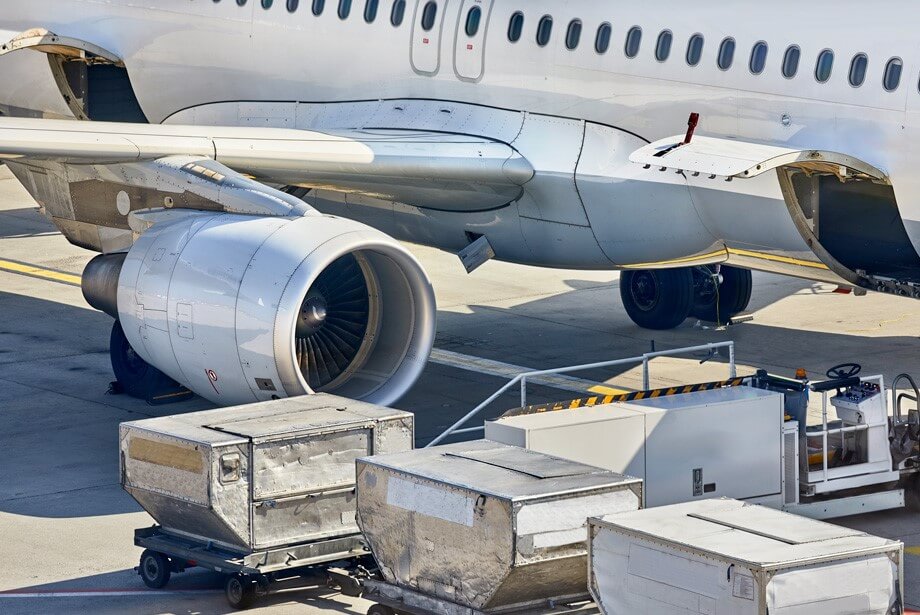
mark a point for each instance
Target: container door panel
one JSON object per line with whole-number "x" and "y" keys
{"x": 427, "y": 28}
{"x": 469, "y": 47}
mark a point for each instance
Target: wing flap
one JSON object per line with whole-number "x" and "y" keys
{"x": 732, "y": 158}
{"x": 426, "y": 169}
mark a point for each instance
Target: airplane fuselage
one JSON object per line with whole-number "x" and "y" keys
{"x": 575, "y": 113}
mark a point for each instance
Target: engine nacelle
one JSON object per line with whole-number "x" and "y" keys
{"x": 243, "y": 309}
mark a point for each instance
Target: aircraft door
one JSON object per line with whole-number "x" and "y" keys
{"x": 427, "y": 27}
{"x": 469, "y": 46}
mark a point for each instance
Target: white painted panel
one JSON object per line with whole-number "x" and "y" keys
{"x": 469, "y": 51}
{"x": 858, "y": 586}
{"x": 426, "y": 44}
{"x": 430, "y": 501}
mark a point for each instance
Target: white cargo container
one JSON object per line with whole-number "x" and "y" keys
{"x": 728, "y": 557}
{"x": 707, "y": 444}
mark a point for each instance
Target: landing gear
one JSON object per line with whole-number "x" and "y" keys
{"x": 664, "y": 298}
{"x": 719, "y": 302}
{"x": 657, "y": 298}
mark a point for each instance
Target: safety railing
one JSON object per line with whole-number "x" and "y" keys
{"x": 522, "y": 379}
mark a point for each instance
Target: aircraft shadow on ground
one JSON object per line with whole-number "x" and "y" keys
{"x": 58, "y": 428}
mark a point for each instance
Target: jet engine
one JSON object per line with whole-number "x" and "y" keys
{"x": 243, "y": 309}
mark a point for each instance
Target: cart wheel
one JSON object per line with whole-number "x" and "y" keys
{"x": 379, "y": 609}
{"x": 154, "y": 569}
{"x": 239, "y": 591}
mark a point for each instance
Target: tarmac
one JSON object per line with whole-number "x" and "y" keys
{"x": 66, "y": 527}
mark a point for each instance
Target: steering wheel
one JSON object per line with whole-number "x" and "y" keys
{"x": 844, "y": 370}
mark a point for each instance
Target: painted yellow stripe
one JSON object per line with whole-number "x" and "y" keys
{"x": 777, "y": 258}
{"x": 605, "y": 390}
{"x": 913, "y": 550}
{"x": 39, "y": 272}
{"x": 678, "y": 261}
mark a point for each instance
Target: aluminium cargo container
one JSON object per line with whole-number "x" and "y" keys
{"x": 258, "y": 476}
{"x": 484, "y": 527}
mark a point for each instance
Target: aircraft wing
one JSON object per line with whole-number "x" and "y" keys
{"x": 426, "y": 169}
{"x": 733, "y": 158}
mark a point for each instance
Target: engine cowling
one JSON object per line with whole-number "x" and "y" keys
{"x": 243, "y": 309}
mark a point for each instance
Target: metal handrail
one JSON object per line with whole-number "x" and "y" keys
{"x": 522, "y": 379}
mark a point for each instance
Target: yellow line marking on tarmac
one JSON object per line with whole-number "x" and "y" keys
{"x": 912, "y": 550}
{"x": 443, "y": 357}
{"x": 39, "y": 272}
{"x": 605, "y": 390}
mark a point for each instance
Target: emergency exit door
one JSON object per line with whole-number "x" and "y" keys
{"x": 427, "y": 27}
{"x": 469, "y": 48}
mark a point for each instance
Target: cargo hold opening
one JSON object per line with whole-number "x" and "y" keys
{"x": 93, "y": 81}
{"x": 855, "y": 220}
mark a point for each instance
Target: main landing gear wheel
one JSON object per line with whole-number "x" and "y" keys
{"x": 657, "y": 298}
{"x": 719, "y": 302}
{"x": 136, "y": 376}
{"x": 379, "y": 609}
{"x": 154, "y": 569}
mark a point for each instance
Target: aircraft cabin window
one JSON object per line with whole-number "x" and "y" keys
{"x": 633, "y": 41}
{"x": 825, "y": 66}
{"x": 791, "y": 61}
{"x": 318, "y": 6}
{"x": 472, "y": 21}
{"x": 858, "y": 68}
{"x": 398, "y": 13}
{"x": 759, "y": 57}
{"x": 370, "y": 10}
{"x": 663, "y": 48}
{"x": 726, "y": 53}
{"x": 267, "y": 4}
{"x": 893, "y": 74}
{"x": 695, "y": 49}
{"x": 241, "y": 2}
{"x": 573, "y": 35}
{"x": 602, "y": 40}
{"x": 544, "y": 31}
{"x": 429, "y": 15}
{"x": 516, "y": 27}
{"x": 292, "y": 5}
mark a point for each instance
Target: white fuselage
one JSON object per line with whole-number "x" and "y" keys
{"x": 577, "y": 113}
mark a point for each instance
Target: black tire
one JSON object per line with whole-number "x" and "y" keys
{"x": 240, "y": 591}
{"x": 137, "y": 377}
{"x": 720, "y": 304}
{"x": 912, "y": 492}
{"x": 379, "y": 609}
{"x": 154, "y": 569}
{"x": 657, "y": 298}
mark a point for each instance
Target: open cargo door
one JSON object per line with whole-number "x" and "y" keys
{"x": 844, "y": 207}
{"x": 93, "y": 81}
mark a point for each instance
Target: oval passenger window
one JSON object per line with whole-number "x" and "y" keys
{"x": 791, "y": 62}
{"x": 695, "y": 49}
{"x": 726, "y": 53}
{"x": 858, "y": 68}
{"x": 429, "y": 14}
{"x": 758, "y": 57}
{"x": 472, "y": 21}
{"x": 825, "y": 66}
{"x": 893, "y": 74}
{"x": 573, "y": 35}
{"x": 602, "y": 41}
{"x": 663, "y": 48}
{"x": 633, "y": 42}
{"x": 544, "y": 31}
{"x": 516, "y": 27}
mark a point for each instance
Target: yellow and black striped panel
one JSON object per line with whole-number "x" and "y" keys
{"x": 599, "y": 400}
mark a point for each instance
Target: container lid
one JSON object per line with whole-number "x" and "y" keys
{"x": 759, "y": 537}
{"x": 280, "y": 418}
{"x": 724, "y": 395}
{"x": 499, "y": 470}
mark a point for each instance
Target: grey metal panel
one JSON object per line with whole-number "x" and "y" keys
{"x": 475, "y": 525}
{"x": 289, "y": 479}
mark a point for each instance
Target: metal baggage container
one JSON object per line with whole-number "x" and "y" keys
{"x": 258, "y": 476}
{"x": 484, "y": 527}
{"x": 733, "y": 558}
